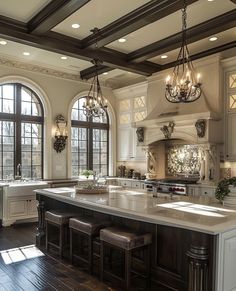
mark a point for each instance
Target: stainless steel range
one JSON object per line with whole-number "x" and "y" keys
{"x": 169, "y": 185}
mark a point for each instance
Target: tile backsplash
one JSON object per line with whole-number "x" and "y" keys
{"x": 183, "y": 159}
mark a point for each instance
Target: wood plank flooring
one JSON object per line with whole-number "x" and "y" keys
{"x": 24, "y": 267}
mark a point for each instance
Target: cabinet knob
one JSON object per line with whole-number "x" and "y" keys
{"x": 227, "y": 156}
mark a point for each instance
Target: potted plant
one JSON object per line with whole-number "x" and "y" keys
{"x": 222, "y": 189}
{"x": 87, "y": 173}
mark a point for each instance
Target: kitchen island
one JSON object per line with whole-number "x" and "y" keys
{"x": 194, "y": 239}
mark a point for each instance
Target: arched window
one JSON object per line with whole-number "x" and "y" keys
{"x": 89, "y": 141}
{"x": 21, "y": 132}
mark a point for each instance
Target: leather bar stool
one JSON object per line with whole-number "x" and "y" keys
{"x": 126, "y": 240}
{"x": 89, "y": 227}
{"x": 60, "y": 220}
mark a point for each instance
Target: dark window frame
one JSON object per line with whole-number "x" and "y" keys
{"x": 90, "y": 125}
{"x": 18, "y": 119}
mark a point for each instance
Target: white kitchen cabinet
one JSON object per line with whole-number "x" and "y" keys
{"x": 226, "y": 262}
{"x": 125, "y": 144}
{"x": 128, "y": 150}
{"x": 193, "y": 191}
{"x": 20, "y": 208}
{"x": 125, "y": 183}
{"x": 136, "y": 184}
{"x": 230, "y": 151}
{"x": 23, "y": 207}
{"x": 131, "y": 107}
{"x": 201, "y": 190}
{"x": 207, "y": 191}
{"x": 230, "y": 113}
{"x": 19, "y": 201}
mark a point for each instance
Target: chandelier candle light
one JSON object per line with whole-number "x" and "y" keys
{"x": 95, "y": 104}
{"x": 183, "y": 86}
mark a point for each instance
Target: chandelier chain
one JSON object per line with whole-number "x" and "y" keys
{"x": 95, "y": 104}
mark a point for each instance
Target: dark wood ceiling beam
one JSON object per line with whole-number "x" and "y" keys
{"x": 203, "y": 54}
{"x": 54, "y": 13}
{"x": 91, "y": 71}
{"x": 142, "y": 16}
{"x": 11, "y": 31}
{"x": 195, "y": 33}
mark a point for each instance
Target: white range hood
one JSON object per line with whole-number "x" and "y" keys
{"x": 183, "y": 116}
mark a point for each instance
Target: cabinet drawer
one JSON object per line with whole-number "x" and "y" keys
{"x": 136, "y": 184}
{"x": 207, "y": 191}
{"x": 126, "y": 183}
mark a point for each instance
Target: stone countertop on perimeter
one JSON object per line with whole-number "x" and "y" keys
{"x": 201, "y": 214}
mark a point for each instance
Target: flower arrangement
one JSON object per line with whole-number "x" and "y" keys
{"x": 87, "y": 173}
{"x": 222, "y": 189}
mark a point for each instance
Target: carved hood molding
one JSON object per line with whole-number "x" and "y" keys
{"x": 184, "y": 117}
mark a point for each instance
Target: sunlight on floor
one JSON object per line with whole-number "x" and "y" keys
{"x": 197, "y": 208}
{"x": 20, "y": 254}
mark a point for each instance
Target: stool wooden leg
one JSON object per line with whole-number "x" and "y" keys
{"x": 61, "y": 241}
{"x": 148, "y": 262}
{"x": 127, "y": 269}
{"x": 101, "y": 260}
{"x": 47, "y": 236}
{"x": 90, "y": 254}
{"x": 71, "y": 246}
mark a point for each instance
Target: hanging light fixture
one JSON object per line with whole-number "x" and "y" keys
{"x": 95, "y": 104}
{"x": 183, "y": 86}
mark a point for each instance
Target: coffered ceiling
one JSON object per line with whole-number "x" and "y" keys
{"x": 149, "y": 29}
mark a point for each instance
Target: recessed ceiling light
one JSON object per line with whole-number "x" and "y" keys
{"x": 122, "y": 40}
{"x": 26, "y": 53}
{"x": 213, "y": 38}
{"x": 105, "y": 73}
{"x": 3, "y": 42}
{"x": 64, "y": 58}
{"x": 164, "y": 57}
{"x": 210, "y": 0}
{"x": 75, "y": 25}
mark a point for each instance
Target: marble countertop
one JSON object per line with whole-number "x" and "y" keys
{"x": 202, "y": 214}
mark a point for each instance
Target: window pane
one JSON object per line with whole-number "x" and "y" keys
{"x": 7, "y": 147}
{"x": 36, "y": 109}
{"x": 232, "y": 101}
{"x": 8, "y": 106}
{"x": 8, "y": 91}
{"x": 30, "y": 104}
{"x": 232, "y": 81}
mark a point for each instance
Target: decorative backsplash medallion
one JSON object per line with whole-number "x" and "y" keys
{"x": 183, "y": 159}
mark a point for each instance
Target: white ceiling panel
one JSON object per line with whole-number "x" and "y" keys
{"x": 14, "y": 51}
{"x": 198, "y": 12}
{"x": 199, "y": 46}
{"x": 97, "y": 13}
{"x": 22, "y": 10}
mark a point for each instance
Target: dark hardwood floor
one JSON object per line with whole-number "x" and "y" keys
{"x": 24, "y": 267}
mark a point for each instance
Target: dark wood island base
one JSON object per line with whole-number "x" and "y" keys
{"x": 181, "y": 259}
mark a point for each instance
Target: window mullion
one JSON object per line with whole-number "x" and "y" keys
{"x": 17, "y": 126}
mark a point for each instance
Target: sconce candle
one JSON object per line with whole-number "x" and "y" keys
{"x": 60, "y": 134}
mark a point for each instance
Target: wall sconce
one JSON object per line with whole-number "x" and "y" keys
{"x": 60, "y": 134}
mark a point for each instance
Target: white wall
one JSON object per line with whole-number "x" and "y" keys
{"x": 59, "y": 92}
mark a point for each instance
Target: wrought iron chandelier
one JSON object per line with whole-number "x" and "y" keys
{"x": 95, "y": 104}
{"x": 183, "y": 86}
